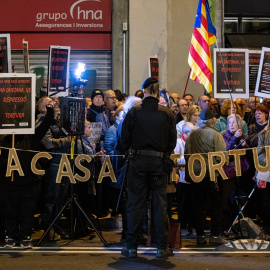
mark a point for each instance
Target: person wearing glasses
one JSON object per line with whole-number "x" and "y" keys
{"x": 183, "y": 106}
{"x": 110, "y": 105}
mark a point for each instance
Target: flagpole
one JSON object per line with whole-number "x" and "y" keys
{"x": 187, "y": 82}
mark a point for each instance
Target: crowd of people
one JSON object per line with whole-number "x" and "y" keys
{"x": 202, "y": 126}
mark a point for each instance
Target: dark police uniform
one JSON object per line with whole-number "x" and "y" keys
{"x": 150, "y": 130}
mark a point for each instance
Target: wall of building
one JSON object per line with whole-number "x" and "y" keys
{"x": 181, "y": 17}
{"x": 164, "y": 27}
{"x": 148, "y": 36}
{"x": 119, "y": 16}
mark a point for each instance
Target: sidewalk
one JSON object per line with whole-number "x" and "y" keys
{"x": 111, "y": 232}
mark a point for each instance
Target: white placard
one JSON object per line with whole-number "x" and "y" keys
{"x": 96, "y": 131}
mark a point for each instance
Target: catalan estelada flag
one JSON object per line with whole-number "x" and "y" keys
{"x": 204, "y": 35}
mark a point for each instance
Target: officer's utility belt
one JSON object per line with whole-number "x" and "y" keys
{"x": 150, "y": 153}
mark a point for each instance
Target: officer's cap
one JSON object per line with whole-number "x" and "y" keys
{"x": 148, "y": 82}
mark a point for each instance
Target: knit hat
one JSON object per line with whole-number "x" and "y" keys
{"x": 206, "y": 114}
{"x": 96, "y": 93}
{"x": 148, "y": 82}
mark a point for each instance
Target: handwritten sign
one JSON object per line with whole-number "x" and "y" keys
{"x": 96, "y": 131}
{"x": 58, "y": 70}
{"x": 235, "y": 64}
{"x": 263, "y": 79}
{"x": 17, "y": 103}
{"x": 153, "y": 67}
{"x": 5, "y": 53}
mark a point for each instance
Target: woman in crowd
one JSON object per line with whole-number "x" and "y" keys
{"x": 183, "y": 188}
{"x": 193, "y": 116}
{"x": 233, "y": 137}
{"x": 226, "y": 110}
{"x": 261, "y": 117}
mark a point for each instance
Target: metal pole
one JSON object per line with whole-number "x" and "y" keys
{"x": 124, "y": 62}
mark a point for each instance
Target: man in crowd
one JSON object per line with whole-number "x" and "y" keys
{"x": 110, "y": 105}
{"x": 214, "y": 106}
{"x": 204, "y": 102}
{"x": 162, "y": 101}
{"x": 204, "y": 140}
{"x": 183, "y": 107}
{"x": 253, "y": 102}
{"x": 151, "y": 149}
{"x": 96, "y": 112}
{"x": 249, "y": 113}
{"x": 189, "y": 98}
{"x": 175, "y": 97}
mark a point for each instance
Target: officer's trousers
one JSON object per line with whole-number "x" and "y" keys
{"x": 146, "y": 172}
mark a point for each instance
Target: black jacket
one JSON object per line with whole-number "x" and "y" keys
{"x": 23, "y": 142}
{"x": 91, "y": 116}
{"x": 149, "y": 126}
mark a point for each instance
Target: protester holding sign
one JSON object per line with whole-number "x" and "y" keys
{"x": 96, "y": 112}
{"x": 20, "y": 191}
{"x": 227, "y": 109}
{"x": 53, "y": 194}
{"x": 233, "y": 137}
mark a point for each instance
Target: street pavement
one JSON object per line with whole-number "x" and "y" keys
{"x": 89, "y": 252}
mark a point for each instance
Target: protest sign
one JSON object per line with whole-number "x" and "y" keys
{"x": 58, "y": 71}
{"x": 17, "y": 103}
{"x": 96, "y": 131}
{"x": 254, "y": 64}
{"x": 235, "y": 64}
{"x": 154, "y": 67}
{"x": 5, "y": 54}
{"x": 263, "y": 78}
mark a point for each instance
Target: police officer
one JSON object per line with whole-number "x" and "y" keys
{"x": 149, "y": 129}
